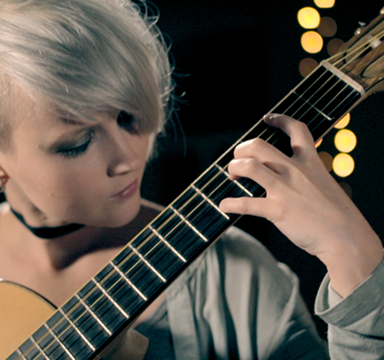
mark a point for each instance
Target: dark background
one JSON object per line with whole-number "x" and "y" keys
{"x": 234, "y": 60}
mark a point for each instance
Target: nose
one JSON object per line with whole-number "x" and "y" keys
{"x": 124, "y": 158}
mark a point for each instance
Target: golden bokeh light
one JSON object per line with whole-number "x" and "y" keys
{"x": 345, "y": 140}
{"x": 327, "y": 159}
{"x": 325, "y": 3}
{"x": 343, "y": 122}
{"x": 343, "y": 165}
{"x": 312, "y": 42}
{"x": 308, "y": 18}
{"x": 334, "y": 46}
{"x": 318, "y": 143}
{"x": 327, "y": 27}
{"x": 307, "y": 65}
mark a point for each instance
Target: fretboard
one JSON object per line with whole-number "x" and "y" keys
{"x": 124, "y": 288}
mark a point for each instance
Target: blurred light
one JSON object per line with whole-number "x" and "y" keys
{"x": 312, "y": 42}
{"x": 334, "y": 46}
{"x": 343, "y": 165}
{"x": 307, "y": 65}
{"x": 318, "y": 143}
{"x": 327, "y": 159}
{"x": 327, "y": 27}
{"x": 308, "y": 18}
{"x": 345, "y": 140}
{"x": 347, "y": 188}
{"x": 324, "y": 3}
{"x": 343, "y": 122}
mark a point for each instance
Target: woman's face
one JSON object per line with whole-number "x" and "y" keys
{"x": 86, "y": 172}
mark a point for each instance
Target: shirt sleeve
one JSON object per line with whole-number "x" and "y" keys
{"x": 356, "y": 323}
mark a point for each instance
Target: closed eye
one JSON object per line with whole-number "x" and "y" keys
{"x": 127, "y": 122}
{"x": 72, "y": 152}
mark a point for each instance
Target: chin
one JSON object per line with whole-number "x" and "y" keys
{"x": 123, "y": 217}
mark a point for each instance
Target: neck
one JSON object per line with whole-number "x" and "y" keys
{"x": 61, "y": 252}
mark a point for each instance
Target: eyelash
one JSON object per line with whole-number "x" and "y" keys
{"x": 76, "y": 151}
{"x": 124, "y": 120}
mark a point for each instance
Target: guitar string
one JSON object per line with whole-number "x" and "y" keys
{"x": 254, "y": 128}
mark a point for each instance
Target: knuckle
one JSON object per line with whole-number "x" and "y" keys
{"x": 300, "y": 126}
{"x": 251, "y": 166}
{"x": 243, "y": 206}
{"x": 256, "y": 143}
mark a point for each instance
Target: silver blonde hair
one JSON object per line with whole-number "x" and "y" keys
{"x": 88, "y": 55}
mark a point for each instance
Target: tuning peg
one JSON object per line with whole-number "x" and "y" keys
{"x": 361, "y": 27}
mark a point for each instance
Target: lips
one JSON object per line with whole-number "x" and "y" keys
{"x": 128, "y": 191}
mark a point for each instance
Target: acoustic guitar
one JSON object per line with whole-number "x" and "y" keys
{"x": 109, "y": 302}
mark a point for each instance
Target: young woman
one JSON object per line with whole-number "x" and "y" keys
{"x": 85, "y": 88}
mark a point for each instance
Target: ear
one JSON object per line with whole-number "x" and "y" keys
{"x": 3, "y": 179}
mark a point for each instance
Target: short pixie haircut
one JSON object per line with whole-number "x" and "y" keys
{"x": 87, "y": 56}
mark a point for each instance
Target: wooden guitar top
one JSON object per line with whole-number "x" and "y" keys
{"x": 22, "y": 311}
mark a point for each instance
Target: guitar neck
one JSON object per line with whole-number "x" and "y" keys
{"x": 123, "y": 289}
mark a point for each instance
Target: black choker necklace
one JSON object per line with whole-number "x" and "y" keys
{"x": 49, "y": 232}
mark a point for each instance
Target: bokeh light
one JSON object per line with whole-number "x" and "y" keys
{"x": 327, "y": 159}
{"x": 308, "y": 18}
{"x": 327, "y": 27}
{"x": 318, "y": 143}
{"x": 345, "y": 140}
{"x": 312, "y": 42}
{"x": 343, "y": 165}
{"x": 307, "y": 65}
{"x": 334, "y": 46}
{"x": 343, "y": 122}
{"x": 324, "y": 3}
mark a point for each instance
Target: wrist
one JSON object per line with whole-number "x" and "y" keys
{"x": 349, "y": 266}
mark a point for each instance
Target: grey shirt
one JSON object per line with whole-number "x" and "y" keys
{"x": 356, "y": 323}
{"x": 238, "y": 302}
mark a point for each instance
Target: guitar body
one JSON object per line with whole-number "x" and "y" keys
{"x": 22, "y": 311}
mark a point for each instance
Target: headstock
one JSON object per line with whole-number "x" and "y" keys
{"x": 362, "y": 57}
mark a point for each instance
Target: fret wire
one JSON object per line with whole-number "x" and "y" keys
{"x": 234, "y": 181}
{"x": 312, "y": 85}
{"x": 307, "y": 101}
{"x": 94, "y": 315}
{"x": 21, "y": 354}
{"x": 77, "y": 330}
{"x": 110, "y": 298}
{"x": 352, "y": 93}
{"x": 57, "y": 339}
{"x": 128, "y": 281}
{"x": 211, "y": 202}
{"x": 188, "y": 223}
{"x": 312, "y": 107}
{"x": 168, "y": 244}
{"x": 39, "y": 348}
{"x": 147, "y": 263}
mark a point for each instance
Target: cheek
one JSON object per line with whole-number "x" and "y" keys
{"x": 57, "y": 188}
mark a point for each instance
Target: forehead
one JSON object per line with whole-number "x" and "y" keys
{"x": 32, "y": 110}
